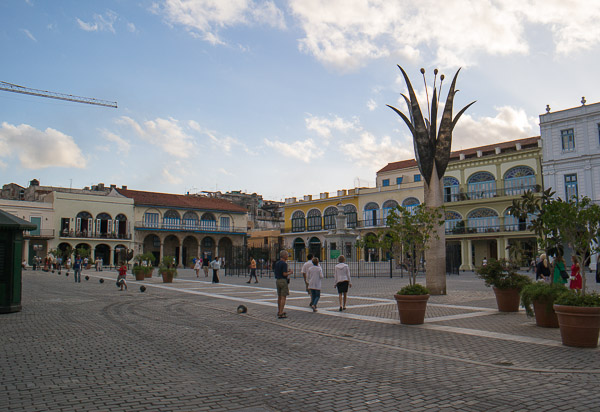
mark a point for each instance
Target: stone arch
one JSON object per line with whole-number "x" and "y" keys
{"x": 208, "y": 246}
{"x": 299, "y": 249}
{"x": 102, "y": 251}
{"x": 151, "y": 244}
{"x": 171, "y": 245}
{"x": 190, "y": 250}
{"x": 226, "y": 249}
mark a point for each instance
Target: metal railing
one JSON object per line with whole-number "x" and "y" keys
{"x": 488, "y": 194}
{"x": 190, "y": 227}
{"x": 39, "y": 233}
{"x": 91, "y": 235}
{"x": 512, "y": 227}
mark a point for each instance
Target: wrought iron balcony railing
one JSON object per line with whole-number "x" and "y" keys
{"x": 190, "y": 227}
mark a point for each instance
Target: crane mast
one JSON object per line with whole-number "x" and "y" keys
{"x": 9, "y": 87}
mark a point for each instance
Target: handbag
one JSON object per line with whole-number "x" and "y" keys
{"x": 564, "y": 274}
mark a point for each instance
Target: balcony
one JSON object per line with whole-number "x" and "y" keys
{"x": 200, "y": 227}
{"x": 488, "y": 190}
{"x": 92, "y": 235}
{"x": 479, "y": 229}
{"x": 39, "y": 234}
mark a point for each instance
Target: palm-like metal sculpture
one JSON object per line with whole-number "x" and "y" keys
{"x": 432, "y": 151}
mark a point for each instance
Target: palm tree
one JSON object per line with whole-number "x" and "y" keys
{"x": 432, "y": 152}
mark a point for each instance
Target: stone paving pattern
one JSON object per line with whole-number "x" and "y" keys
{"x": 90, "y": 347}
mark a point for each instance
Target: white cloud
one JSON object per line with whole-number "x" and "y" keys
{"x": 100, "y": 22}
{"x": 38, "y": 149}
{"x": 323, "y": 126}
{"x": 28, "y": 34}
{"x": 221, "y": 143}
{"x": 346, "y": 34}
{"x": 368, "y": 151}
{"x": 302, "y": 150}
{"x": 225, "y": 172}
{"x": 174, "y": 177}
{"x": 131, "y": 27}
{"x": 204, "y": 18}
{"x": 166, "y": 134}
{"x": 509, "y": 124}
{"x": 372, "y": 105}
{"x": 123, "y": 146}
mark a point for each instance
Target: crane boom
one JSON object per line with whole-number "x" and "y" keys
{"x": 9, "y": 87}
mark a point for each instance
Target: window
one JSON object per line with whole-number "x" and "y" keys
{"x": 571, "y": 186}
{"x": 387, "y": 206}
{"x": 313, "y": 220}
{"x": 398, "y": 180}
{"x": 385, "y": 182}
{"x": 371, "y": 213}
{"x": 451, "y": 189}
{"x": 329, "y": 217}
{"x": 224, "y": 223}
{"x": 151, "y": 219}
{"x": 350, "y": 212}
{"x": 568, "y": 140}
{"x": 481, "y": 185}
{"x": 417, "y": 178}
{"x": 298, "y": 221}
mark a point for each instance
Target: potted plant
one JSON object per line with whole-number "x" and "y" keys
{"x": 578, "y": 318}
{"x": 538, "y": 298}
{"x": 143, "y": 266}
{"x": 408, "y": 237}
{"x": 505, "y": 281}
{"x": 578, "y": 222}
{"x": 167, "y": 269}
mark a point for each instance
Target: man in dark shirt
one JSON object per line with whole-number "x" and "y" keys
{"x": 281, "y": 280}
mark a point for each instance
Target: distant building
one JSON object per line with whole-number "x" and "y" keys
{"x": 185, "y": 226}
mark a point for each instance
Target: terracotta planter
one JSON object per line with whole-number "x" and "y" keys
{"x": 139, "y": 276}
{"x": 545, "y": 316}
{"x": 167, "y": 278}
{"x": 412, "y": 308}
{"x": 579, "y": 326}
{"x": 149, "y": 274}
{"x": 508, "y": 300}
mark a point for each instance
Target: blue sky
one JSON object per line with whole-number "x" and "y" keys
{"x": 282, "y": 98}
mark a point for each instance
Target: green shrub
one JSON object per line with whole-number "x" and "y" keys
{"x": 540, "y": 291}
{"x": 573, "y": 298}
{"x": 415, "y": 289}
{"x": 501, "y": 274}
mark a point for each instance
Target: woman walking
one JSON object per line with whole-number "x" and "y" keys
{"x": 314, "y": 276}
{"x": 559, "y": 269}
{"x": 215, "y": 265}
{"x": 341, "y": 278}
{"x": 197, "y": 266}
{"x": 576, "y": 279}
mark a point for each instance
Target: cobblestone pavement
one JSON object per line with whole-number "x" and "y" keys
{"x": 182, "y": 346}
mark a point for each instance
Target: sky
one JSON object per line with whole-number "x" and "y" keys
{"x": 279, "y": 97}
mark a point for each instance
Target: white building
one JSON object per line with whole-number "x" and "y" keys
{"x": 571, "y": 152}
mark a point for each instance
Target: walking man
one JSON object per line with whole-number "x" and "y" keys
{"x": 305, "y": 268}
{"x": 252, "y": 270}
{"x": 77, "y": 269}
{"x": 281, "y": 280}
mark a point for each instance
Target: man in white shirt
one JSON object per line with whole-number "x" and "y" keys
{"x": 305, "y": 268}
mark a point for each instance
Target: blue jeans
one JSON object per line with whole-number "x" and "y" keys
{"x": 315, "y": 295}
{"x": 77, "y": 274}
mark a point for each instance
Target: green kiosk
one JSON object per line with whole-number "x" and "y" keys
{"x": 11, "y": 254}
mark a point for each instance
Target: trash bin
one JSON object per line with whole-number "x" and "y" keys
{"x": 11, "y": 256}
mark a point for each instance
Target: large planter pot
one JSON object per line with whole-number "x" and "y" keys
{"x": 412, "y": 308}
{"x": 167, "y": 277}
{"x": 545, "y": 316}
{"x": 148, "y": 274}
{"x": 139, "y": 276}
{"x": 507, "y": 299}
{"x": 579, "y": 326}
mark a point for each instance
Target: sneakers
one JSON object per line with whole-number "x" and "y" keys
{"x": 341, "y": 309}
{"x": 314, "y": 308}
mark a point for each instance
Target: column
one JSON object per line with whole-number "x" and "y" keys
{"x": 199, "y": 250}
{"x": 465, "y": 255}
{"x": 162, "y": 251}
{"x": 111, "y": 257}
{"x": 181, "y": 262}
{"x": 501, "y": 251}
{"x": 26, "y": 251}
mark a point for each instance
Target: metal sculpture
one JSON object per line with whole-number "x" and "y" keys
{"x": 432, "y": 152}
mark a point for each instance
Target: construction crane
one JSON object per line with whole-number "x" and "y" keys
{"x": 9, "y": 87}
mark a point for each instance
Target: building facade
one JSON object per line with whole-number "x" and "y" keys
{"x": 185, "y": 226}
{"x": 571, "y": 154}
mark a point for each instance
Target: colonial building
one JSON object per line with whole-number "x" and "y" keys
{"x": 94, "y": 221}
{"x": 185, "y": 226}
{"x": 571, "y": 154}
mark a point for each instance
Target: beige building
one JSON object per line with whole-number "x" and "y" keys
{"x": 185, "y": 226}
{"x": 36, "y": 242}
{"x": 98, "y": 222}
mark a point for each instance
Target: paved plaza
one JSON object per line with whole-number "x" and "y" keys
{"x": 182, "y": 346}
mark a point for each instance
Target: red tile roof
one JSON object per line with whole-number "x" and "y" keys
{"x": 525, "y": 143}
{"x": 180, "y": 201}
